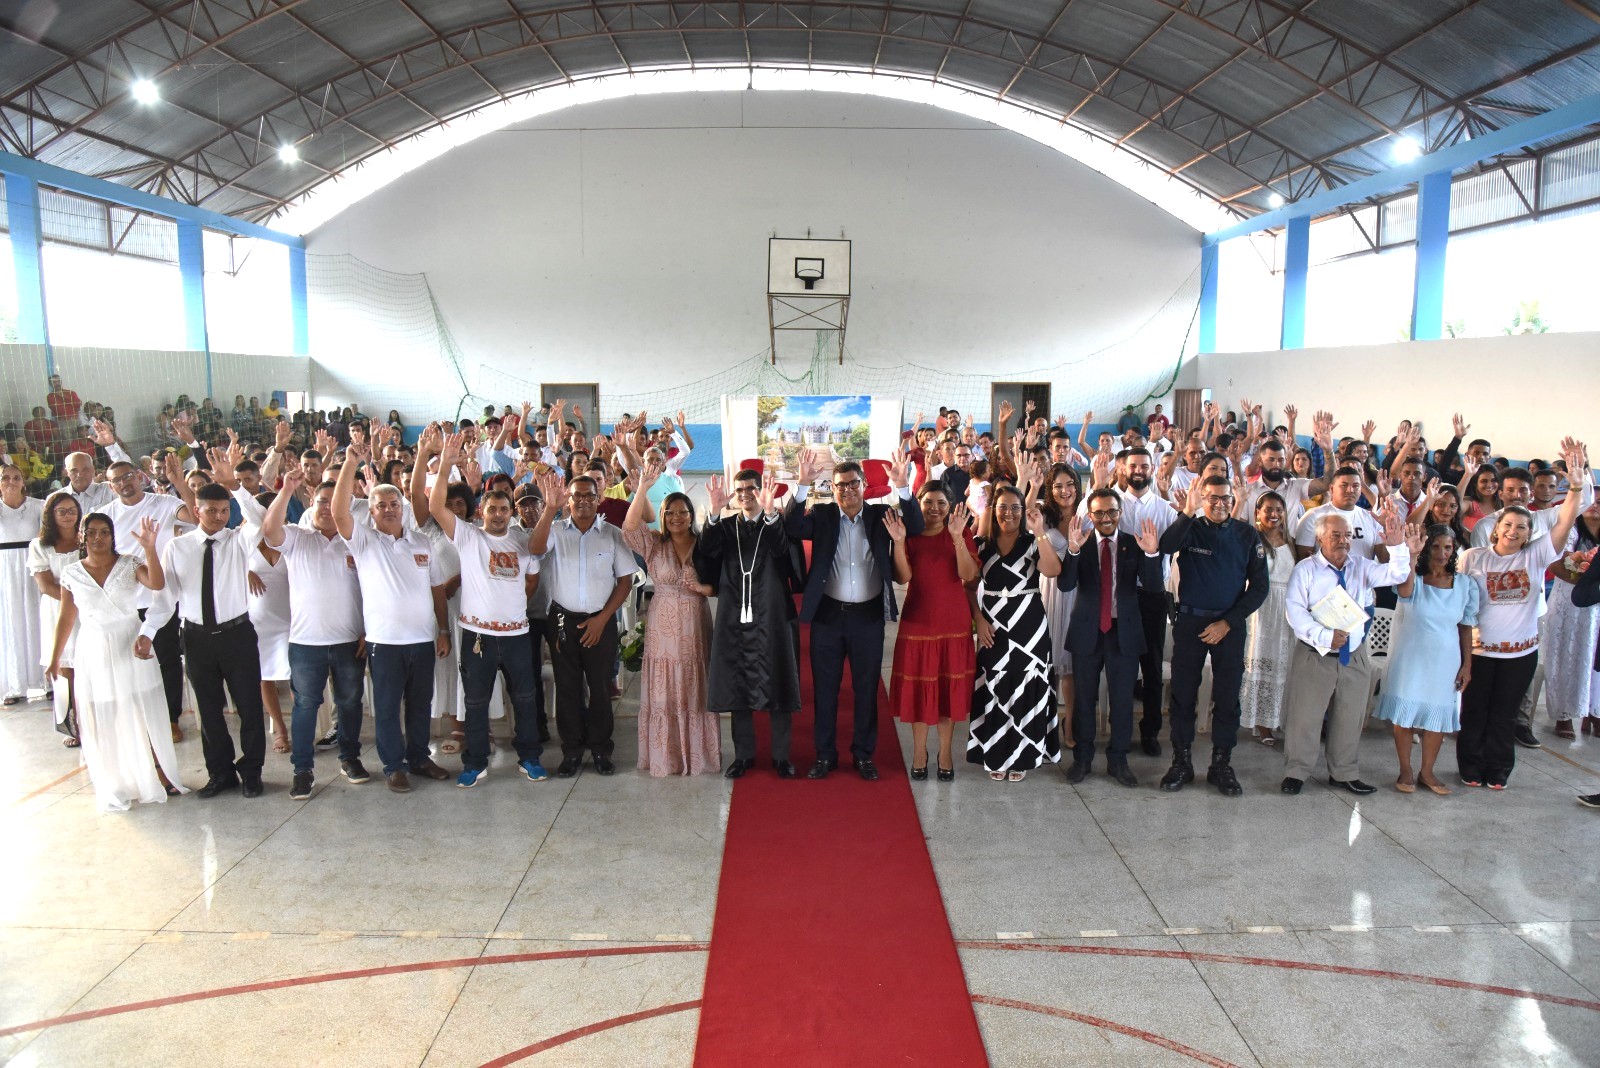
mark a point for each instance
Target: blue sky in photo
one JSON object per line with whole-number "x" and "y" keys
{"x": 841, "y": 412}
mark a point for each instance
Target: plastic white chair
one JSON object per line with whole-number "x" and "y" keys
{"x": 1379, "y": 633}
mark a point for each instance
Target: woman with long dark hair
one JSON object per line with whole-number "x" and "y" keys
{"x": 1059, "y": 498}
{"x": 122, "y": 708}
{"x": 1430, "y": 653}
{"x": 1480, "y": 493}
{"x": 1014, "y": 727}
{"x": 677, "y": 735}
{"x": 1269, "y": 641}
{"x": 50, "y": 554}
{"x": 930, "y": 683}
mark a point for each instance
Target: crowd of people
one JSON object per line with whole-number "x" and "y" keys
{"x": 1026, "y": 570}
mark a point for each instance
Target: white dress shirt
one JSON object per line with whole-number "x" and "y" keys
{"x": 183, "y": 561}
{"x": 1314, "y": 578}
{"x": 125, "y": 518}
{"x": 326, "y": 606}
{"x": 1136, "y": 508}
{"x": 94, "y": 498}
{"x": 582, "y": 566}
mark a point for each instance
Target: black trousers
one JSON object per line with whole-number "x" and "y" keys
{"x": 744, "y": 735}
{"x": 1121, "y": 671}
{"x": 538, "y": 636}
{"x": 1227, "y": 674}
{"x": 585, "y": 725}
{"x": 1153, "y": 614}
{"x": 1486, "y": 748}
{"x": 854, "y": 633}
{"x": 227, "y": 658}
{"x": 168, "y": 647}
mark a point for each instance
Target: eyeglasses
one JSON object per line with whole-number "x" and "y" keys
{"x": 1216, "y": 500}
{"x": 677, "y": 513}
{"x": 126, "y": 476}
{"x": 852, "y": 484}
{"x": 1112, "y": 514}
{"x": 585, "y": 496}
{"x": 1009, "y": 509}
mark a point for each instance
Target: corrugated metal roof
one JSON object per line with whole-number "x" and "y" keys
{"x": 1228, "y": 95}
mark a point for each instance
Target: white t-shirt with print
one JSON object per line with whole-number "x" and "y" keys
{"x": 494, "y": 599}
{"x": 1511, "y": 591}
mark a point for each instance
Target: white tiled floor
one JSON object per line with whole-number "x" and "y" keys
{"x": 1497, "y": 890}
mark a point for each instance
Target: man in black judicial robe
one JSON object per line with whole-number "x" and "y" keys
{"x": 755, "y": 641}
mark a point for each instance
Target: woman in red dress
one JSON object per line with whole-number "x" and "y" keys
{"x": 931, "y": 682}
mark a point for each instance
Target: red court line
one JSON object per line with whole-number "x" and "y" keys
{"x": 1109, "y": 1025}
{"x": 586, "y": 1030}
{"x": 46, "y": 786}
{"x": 357, "y": 973}
{"x": 1293, "y": 965}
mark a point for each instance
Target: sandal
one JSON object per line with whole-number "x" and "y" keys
{"x": 450, "y": 746}
{"x": 1017, "y": 776}
{"x": 70, "y": 743}
{"x": 998, "y": 776}
{"x": 280, "y": 738}
{"x": 1405, "y": 787}
{"x": 1436, "y": 786}
{"x": 1564, "y": 729}
{"x": 1268, "y": 739}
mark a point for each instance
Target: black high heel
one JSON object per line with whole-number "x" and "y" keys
{"x": 947, "y": 774}
{"x": 919, "y": 774}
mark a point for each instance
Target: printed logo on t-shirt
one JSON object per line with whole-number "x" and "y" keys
{"x": 503, "y": 565}
{"x": 420, "y": 559}
{"x": 1508, "y": 587}
{"x": 349, "y": 562}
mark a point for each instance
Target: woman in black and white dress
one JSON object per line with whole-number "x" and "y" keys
{"x": 1014, "y": 726}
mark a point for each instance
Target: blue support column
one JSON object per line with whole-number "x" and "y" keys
{"x": 1208, "y": 296}
{"x": 192, "y": 269}
{"x": 1433, "y": 235}
{"x": 27, "y": 253}
{"x": 297, "y": 301}
{"x": 1296, "y": 259}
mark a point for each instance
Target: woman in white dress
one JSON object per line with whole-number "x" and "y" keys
{"x": 122, "y": 709}
{"x": 1569, "y": 635}
{"x": 1059, "y": 497}
{"x": 49, "y": 555}
{"x": 1268, "y": 640}
{"x": 269, "y": 614}
{"x": 20, "y": 516}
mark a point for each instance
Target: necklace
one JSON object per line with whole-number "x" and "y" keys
{"x": 746, "y": 581}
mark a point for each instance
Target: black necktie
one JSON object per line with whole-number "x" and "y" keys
{"x": 208, "y": 589}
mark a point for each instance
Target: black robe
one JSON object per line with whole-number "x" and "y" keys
{"x": 754, "y": 666}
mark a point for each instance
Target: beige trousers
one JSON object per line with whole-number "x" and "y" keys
{"x": 1319, "y": 686}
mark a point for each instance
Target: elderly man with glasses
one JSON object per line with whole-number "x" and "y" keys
{"x": 849, "y": 593}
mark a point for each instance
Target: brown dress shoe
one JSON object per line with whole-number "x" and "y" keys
{"x": 429, "y": 770}
{"x": 177, "y": 733}
{"x": 400, "y": 782}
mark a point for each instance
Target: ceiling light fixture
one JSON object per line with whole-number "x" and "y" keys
{"x": 288, "y": 153}
{"x": 145, "y": 91}
{"x": 1274, "y": 200}
{"x": 1406, "y": 149}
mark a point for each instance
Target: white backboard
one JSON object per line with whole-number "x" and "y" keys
{"x": 835, "y": 256}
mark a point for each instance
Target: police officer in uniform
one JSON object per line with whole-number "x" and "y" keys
{"x": 1222, "y": 578}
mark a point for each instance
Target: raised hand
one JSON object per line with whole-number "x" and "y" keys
{"x": 1036, "y": 524}
{"x": 894, "y": 525}
{"x": 768, "y": 496}
{"x": 1100, "y": 470}
{"x": 554, "y": 492}
{"x": 1077, "y": 536}
{"x": 1027, "y": 408}
{"x": 957, "y": 522}
{"x": 1007, "y": 410}
{"x": 1459, "y": 425}
{"x": 1385, "y": 487}
{"x": 806, "y": 467}
{"x": 1149, "y": 537}
{"x": 681, "y": 420}
{"x": 1415, "y": 540}
{"x": 281, "y": 434}
{"x": 1290, "y": 413}
{"x": 323, "y": 443}
{"x": 293, "y": 479}
{"x": 174, "y": 467}
{"x": 899, "y": 462}
{"x": 1367, "y": 430}
{"x": 360, "y": 454}
{"x": 105, "y": 434}
{"x": 145, "y": 535}
{"x": 471, "y": 473}
{"x": 1394, "y": 528}
{"x": 666, "y": 423}
{"x": 650, "y": 473}
{"x": 717, "y": 495}
{"x": 450, "y": 452}
{"x": 1061, "y": 421}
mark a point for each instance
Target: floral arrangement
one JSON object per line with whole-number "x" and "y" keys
{"x": 633, "y": 646}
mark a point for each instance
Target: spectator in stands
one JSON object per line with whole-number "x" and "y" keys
{"x": 43, "y": 434}
{"x": 1158, "y": 423}
{"x": 64, "y": 403}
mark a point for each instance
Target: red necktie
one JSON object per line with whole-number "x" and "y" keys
{"x": 1105, "y": 585}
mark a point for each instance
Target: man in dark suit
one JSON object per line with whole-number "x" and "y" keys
{"x": 848, "y": 596}
{"x": 1106, "y": 631}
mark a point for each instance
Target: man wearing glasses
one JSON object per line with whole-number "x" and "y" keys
{"x": 848, "y": 596}
{"x": 590, "y": 570}
{"x": 1224, "y": 569}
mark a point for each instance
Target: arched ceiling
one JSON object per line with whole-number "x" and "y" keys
{"x": 1244, "y": 100}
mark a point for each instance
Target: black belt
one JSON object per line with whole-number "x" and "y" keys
{"x": 1203, "y": 613}
{"x": 13, "y": 544}
{"x": 852, "y": 606}
{"x": 563, "y": 614}
{"x": 201, "y": 628}
{"x": 1320, "y": 653}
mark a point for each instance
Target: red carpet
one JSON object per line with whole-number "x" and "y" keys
{"x": 830, "y": 945}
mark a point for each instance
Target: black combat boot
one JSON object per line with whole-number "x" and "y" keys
{"x": 1221, "y": 774}
{"x": 1180, "y": 772}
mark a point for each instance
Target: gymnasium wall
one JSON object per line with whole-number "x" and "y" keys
{"x": 625, "y": 243}
{"x": 1523, "y": 392}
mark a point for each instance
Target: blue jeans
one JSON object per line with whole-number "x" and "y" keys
{"x": 481, "y": 656}
{"x": 309, "y": 667}
{"x": 401, "y": 673}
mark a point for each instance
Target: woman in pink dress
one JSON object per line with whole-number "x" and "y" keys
{"x": 677, "y": 736}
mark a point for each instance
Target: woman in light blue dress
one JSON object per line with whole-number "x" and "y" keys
{"x": 1430, "y": 654}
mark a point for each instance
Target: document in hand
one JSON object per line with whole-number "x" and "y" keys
{"x": 1339, "y": 611}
